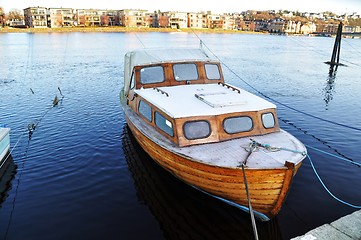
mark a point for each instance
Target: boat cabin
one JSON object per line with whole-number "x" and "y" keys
{"x": 182, "y": 94}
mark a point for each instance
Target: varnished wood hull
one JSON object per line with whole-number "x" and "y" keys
{"x": 268, "y": 187}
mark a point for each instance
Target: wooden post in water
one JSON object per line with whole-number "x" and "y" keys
{"x": 335, "y": 59}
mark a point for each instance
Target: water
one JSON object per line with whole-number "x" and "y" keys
{"x": 82, "y": 175}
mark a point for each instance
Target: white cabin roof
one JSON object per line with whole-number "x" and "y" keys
{"x": 150, "y": 56}
{"x": 202, "y": 100}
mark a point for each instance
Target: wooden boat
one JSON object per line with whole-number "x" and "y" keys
{"x": 4, "y": 145}
{"x": 199, "y": 128}
{"x": 174, "y": 204}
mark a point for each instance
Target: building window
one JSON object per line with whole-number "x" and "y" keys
{"x": 152, "y": 75}
{"x": 145, "y": 110}
{"x": 164, "y": 124}
{"x": 196, "y": 129}
{"x": 212, "y": 71}
{"x": 237, "y": 124}
{"x": 268, "y": 120}
{"x": 185, "y": 71}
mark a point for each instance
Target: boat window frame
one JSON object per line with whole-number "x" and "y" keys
{"x": 219, "y": 72}
{"x": 185, "y": 63}
{"x": 141, "y": 113}
{"x": 159, "y": 126}
{"x": 274, "y": 120}
{"x": 151, "y": 66}
{"x": 244, "y": 116}
{"x": 192, "y": 121}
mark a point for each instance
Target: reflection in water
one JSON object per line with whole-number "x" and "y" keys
{"x": 7, "y": 174}
{"x": 182, "y": 211}
{"x": 329, "y": 88}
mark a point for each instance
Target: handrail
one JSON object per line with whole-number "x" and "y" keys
{"x": 161, "y": 91}
{"x": 229, "y": 86}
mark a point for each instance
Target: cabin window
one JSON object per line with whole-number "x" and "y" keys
{"x": 185, "y": 71}
{"x": 237, "y": 124}
{"x": 268, "y": 120}
{"x": 212, "y": 71}
{"x": 145, "y": 110}
{"x": 197, "y": 129}
{"x": 153, "y": 74}
{"x": 164, "y": 124}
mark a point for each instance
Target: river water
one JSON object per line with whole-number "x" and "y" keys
{"x": 82, "y": 176}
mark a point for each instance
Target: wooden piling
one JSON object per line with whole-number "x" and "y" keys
{"x": 335, "y": 58}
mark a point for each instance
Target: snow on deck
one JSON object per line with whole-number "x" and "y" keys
{"x": 202, "y": 100}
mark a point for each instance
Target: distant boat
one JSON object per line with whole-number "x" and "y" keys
{"x": 198, "y": 128}
{"x": 4, "y": 145}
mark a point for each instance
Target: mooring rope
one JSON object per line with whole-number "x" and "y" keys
{"x": 333, "y": 155}
{"x": 31, "y": 128}
{"x": 254, "y": 226}
{"x": 272, "y": 149}
{"x": 325, "y": 187}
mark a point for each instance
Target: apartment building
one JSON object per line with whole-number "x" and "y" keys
{"x": 308, "y": 28}
{"x": 197, "y": 20}
{"x": 133, "y": 18}
{"x": 151, "y": 19}
{"x": 229, "y": 22}
{"x": 60, "y": 17}
{"x": 163, "y": 19}
{"x": 277, "y": 25}
{"x": 214, "y": 21}
{"x": 109, "y": 18}
{"x": 88, "y": 17}
{"x": 36, "y": 17}
{"x": 293, "y": 27}
{"x": 175, "y": 20}
{"x": 178, "y": 20}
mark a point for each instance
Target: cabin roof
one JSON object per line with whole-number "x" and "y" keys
{"x": 151, "y": 56}
{"x": 202, "y": 100}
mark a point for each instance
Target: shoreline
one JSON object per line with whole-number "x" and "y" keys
{"x": 120, "y": 30}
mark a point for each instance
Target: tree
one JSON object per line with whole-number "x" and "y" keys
{"x": 2, "y": 17}
{"x": 15, "y": 14}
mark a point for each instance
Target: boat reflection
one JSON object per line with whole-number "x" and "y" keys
{"x": 182, "y": 211}
{"x": 7, "y": 174}
{"x": 329, "y": 88}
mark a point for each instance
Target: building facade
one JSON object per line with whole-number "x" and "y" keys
{"x": 60, "y": 17}
{"x": 36, "y": 17}
{"x": 88, "y": 17}
{"x": 214, "y": 21}
{"x": 133, "y": 18}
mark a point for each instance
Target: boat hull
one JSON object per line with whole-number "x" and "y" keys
{"x": 268, "y": 188}
{"x": 4, "y": 145}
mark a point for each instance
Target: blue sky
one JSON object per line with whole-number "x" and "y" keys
{"x": 337, "y": 6}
